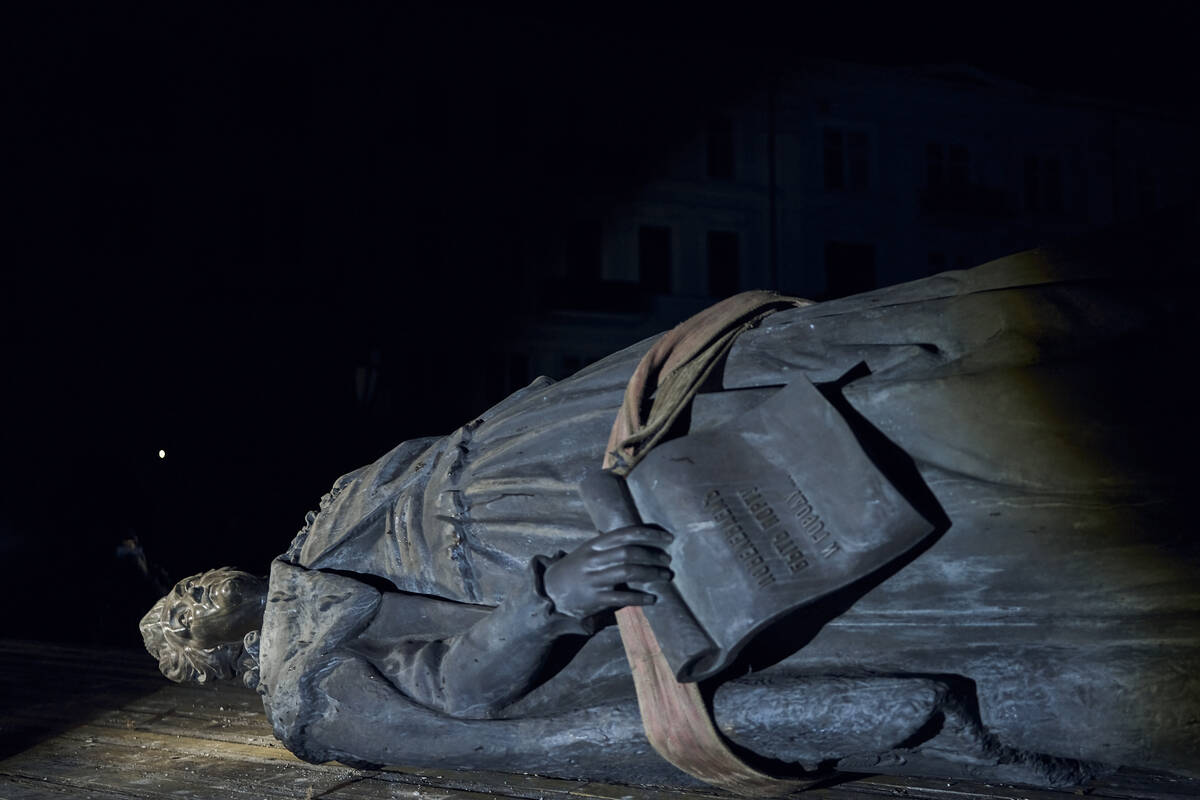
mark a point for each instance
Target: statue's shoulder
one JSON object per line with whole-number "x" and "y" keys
{"x": 354, "y": 495}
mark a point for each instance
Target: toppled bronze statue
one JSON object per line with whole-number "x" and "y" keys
{"x": 451, "y": 604}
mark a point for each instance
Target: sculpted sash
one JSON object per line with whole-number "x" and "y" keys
{"x": 771, "y": 511}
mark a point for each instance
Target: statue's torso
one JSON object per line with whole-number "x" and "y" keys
{"x": 1063, "y": 590}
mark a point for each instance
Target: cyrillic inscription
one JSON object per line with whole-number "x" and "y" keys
{"x": 768, "y": 520}
{"x": 810, "y": 524}
{"x": 745, "y": 551}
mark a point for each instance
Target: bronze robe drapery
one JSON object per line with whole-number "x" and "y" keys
{"x": 1035, "y": 401}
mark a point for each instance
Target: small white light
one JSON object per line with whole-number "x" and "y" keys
{"x": 162, "y": 453}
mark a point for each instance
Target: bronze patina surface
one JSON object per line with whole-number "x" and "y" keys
{"x": 1030, "y": 411}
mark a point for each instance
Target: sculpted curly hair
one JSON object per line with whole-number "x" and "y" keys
{"x": 183, "y": 663}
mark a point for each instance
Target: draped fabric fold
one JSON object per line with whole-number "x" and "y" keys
{"x": 674, "y": 715}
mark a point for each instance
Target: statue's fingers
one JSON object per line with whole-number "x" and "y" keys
{"x": 633, "y": 535}
{"x": 629, "y": 554}
{"x": 633, "y": 573}
{"x": 618, "y": 598}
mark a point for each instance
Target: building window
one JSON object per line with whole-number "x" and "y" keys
{"x": 720, "y": 148}
{"x": 847, "y": 160}
{"x": 857, "y": 161}
{"x": 654, "y": 258}
{"x": 849, "y": 268}
{"x": 584, "y": 250}
{"x": 947, "y": 167}
{"x": 723, "y": 266}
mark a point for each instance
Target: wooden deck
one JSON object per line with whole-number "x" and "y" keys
{"x": 85, "y": 722}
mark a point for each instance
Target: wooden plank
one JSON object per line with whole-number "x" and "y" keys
{"x": 203, "y": 745}
{"x": 1148, "y": 787}
{"x": 526, "y": 787}
{"x": 153, "y": 773}
{"x": 221, "y": 716}
{"x": 12, "y": 788}
{"x": 189, "y": 766}
{"x": 534, "y": 787}
{"x": 178, "y": 735}
{"x": 119, "y": 730}
{"x": 203, "y": 755}
{"x": 271, "y": 751}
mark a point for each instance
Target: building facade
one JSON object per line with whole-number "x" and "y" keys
{"x": 831, "y": 179}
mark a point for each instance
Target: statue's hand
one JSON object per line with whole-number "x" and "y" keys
{"x": 594, "y": 577}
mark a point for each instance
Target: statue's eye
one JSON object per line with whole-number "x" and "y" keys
{"x": 185, "y": 619}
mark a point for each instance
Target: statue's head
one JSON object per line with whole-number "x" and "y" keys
{"x": 196, "y": 632}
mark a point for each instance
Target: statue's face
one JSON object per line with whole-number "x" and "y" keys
{"x": 214, "y": 608}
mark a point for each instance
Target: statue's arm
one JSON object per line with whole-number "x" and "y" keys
{"x": 498, "y": 656}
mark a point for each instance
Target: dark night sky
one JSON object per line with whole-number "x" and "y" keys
{"x": 211, "y": 216}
